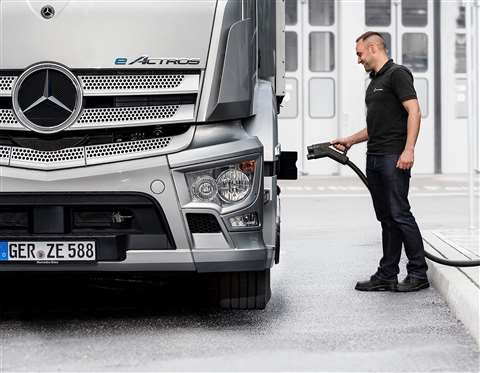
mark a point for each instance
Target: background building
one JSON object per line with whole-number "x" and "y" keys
{"x": 325, "y": 86}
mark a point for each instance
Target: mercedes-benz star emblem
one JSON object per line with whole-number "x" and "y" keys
{"x": 47, "y": 11}
{"x": 47, "y": 98}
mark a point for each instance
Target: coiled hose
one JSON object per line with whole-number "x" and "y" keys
{"x": 324, "y": 150}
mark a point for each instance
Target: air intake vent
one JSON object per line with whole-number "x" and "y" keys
{"x": 203, "y": 223}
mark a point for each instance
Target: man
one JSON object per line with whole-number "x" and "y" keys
{"x": 393, "y": 123}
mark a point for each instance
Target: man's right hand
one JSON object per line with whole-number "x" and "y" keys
{"x": 342, "y": 144}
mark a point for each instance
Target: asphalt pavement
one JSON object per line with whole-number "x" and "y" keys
{"x": 315, "y": 320}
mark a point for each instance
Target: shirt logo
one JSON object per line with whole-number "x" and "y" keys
{"x": 377, "y": 90}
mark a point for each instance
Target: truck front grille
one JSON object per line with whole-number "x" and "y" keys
{"x": 90, "y": 154}
{"x": 120, "y": 99}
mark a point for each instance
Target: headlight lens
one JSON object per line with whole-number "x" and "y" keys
{"x": 204, "y": 188}
{"x": 222, "y": 185}
{"x": 233, "y": 185}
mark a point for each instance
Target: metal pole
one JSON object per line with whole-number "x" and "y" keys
{"x": 477, "y": 46}
{"x": 304, "y": 96}
{"x": 476, "y": 124}
{"x": 472, "y": 57}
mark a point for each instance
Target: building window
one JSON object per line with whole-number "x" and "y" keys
{"x": 461, "y": 16}
{"x": 322, "y": 98}
{"x": 415, "y": 51}
{"x": 414, "y": 13}
{"x": 291, "y": 48}
{"x": 321, "y": 49}
{"x": 290, "y": 12}
{"x": 460, "y": 53}
{"x": 321, "y": 12}
{"x": 461, "y": 105}
{"x": 378, "y": 12}
{"x": 388, "y": 43}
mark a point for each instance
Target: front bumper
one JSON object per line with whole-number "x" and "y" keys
{"x": 203, "y": 252}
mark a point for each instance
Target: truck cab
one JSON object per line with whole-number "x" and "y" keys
{"x": 142, "y": 136}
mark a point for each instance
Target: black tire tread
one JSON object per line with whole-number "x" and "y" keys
{"x": 243, "y": 290}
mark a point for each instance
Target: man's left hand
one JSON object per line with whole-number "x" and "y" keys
{"x": 405, "y": 162}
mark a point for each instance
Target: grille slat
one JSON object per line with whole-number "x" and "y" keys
{"x": 115, "y": 117}
{"x": 138, "y": 84}
{"x": 6, "y": 85}
{"x": 124, "y": 150}
{"x": 30, "y": 158}
{"x": 7, "y": 119}
{"x": 5, "y": 155}
{"x": 127, "y": 114}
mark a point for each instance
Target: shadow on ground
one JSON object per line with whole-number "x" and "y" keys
{"x": 56, "y": 297}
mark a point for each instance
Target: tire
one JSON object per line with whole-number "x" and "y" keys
{"x": 241, "y": 290}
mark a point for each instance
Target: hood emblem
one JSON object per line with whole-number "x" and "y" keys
{"x": 47, "y": 11}
{"x": 47, "y": 98}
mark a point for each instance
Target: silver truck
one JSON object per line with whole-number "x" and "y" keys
{"x": 141, "y": 136}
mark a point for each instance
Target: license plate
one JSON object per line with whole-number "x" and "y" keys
{"x": 46, "y": 251}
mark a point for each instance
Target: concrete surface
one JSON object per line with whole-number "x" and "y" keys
{"x": 315, "y": 320}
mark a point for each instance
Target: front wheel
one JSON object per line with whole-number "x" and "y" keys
{"x": 241, "y": 290}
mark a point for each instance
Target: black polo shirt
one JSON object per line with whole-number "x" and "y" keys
{"x": 386, "y": 116}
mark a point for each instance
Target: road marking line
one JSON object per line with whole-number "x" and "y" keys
{"x": 354, "y": 195}
{"x": 456, "y": 188}
{"x": 293, "y": 188}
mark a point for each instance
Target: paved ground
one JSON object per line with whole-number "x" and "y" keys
{"x": 315, "y": 320}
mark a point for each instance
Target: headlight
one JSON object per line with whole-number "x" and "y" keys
{"x": 204, "y": 188}
{"x": 233, "y": 185}
{"x": 222, "y": 185}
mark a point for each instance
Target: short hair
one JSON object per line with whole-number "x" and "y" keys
{"x": 369, "y": 34}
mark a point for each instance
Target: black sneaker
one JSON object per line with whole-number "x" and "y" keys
{"x": 377, "y": 284}
{"x": 413, "y": 284}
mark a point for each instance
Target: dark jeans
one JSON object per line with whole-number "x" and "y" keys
{"x": 389, "y": 188}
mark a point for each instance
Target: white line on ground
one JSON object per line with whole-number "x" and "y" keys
{"x": 293, "y": 188}
{"x": 354, "y": 195}
{"x": 452, "y": 188}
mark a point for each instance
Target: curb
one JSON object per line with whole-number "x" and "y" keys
{"x": 458, "y": 286}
